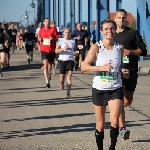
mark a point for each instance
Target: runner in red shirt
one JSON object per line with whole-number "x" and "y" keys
{"x": 47, "y": 48}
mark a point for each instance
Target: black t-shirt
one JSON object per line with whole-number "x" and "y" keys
{"x": 2, "y": 37}
{"x": 131, "y": 40}
{"x": 83, "y": 34}
{"x": 12, "y": 34}
{"x": 29, "y": 37}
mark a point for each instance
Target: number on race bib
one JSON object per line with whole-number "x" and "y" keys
{"x": 29, "y": 42}
{"x": 108, "y": 76}
{"x": 126, "y": 60}
{"x": 13, "y": 33}
{"x": 46, "y": 41}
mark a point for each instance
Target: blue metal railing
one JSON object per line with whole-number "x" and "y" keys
{"x": 143, "y": 21}
{"x": 98, "y": 8}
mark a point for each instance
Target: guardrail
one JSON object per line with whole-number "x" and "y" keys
{"x": 143, "y": 21}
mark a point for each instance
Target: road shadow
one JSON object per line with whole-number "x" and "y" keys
{"x": 142, "y": 141}
{"x": 53, "y": 101}
{"x": 41, "y": 89}
{"x": 22, "y": 67}
{"x": 49, "y": 117}
{"x": 139, "y": 112}
{"x": 50, "y": 130}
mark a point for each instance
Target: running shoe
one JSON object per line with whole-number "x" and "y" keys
{"x": 2, "y": 65}
{"x": 68, "y": 96}
{"x": 124, "y": 133}
{"x": 1, "y": 74}
{"x": 48, "y": 85}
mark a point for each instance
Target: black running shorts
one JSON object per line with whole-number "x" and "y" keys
{"x": 2, "y": 50}
{"x": 29, "y": 49}
{"x": 101, "y": 97}
{"x": 82, "y": 52}
{"x": 49, "y": 56}
{"x": 130, "y": 84}
{"x": 66, "y": 66}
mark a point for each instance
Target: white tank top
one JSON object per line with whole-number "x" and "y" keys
{"x": 108, "y": 80}
{"x": 69, "y": 53}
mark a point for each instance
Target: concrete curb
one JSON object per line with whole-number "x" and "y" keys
{"x": 144, "y": 69}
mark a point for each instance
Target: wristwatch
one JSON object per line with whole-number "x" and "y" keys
{"x": 131, "y": 51}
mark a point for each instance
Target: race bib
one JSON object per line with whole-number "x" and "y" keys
{"x": 13, "y": 33}
{"x": 1, "y": 46}
{"x": 108, "y": 76}
{"x": 126, "y": 60}
{"x": 80, "y": 46}
{"x": 46, "y": 41}
{"x": 29, "y": 42}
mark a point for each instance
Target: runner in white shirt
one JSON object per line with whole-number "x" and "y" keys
{"x": 107, "y": 83}
{"x": 65, "y": 47}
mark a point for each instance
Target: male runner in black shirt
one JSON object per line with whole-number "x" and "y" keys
{"x": 81, "y": 37}
{"x": 29, "y": 39}
{"x": 133, "y": 47}
{"x": 12, "y": 32}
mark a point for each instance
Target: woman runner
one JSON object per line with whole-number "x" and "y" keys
{"x": 107, "y": 83}
{"x": 65, "y": 47}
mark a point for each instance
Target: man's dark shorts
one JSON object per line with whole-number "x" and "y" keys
{"x": 49, "y": 56}
{"x": 130, "y": 84}
{"x": 28, "y": 50}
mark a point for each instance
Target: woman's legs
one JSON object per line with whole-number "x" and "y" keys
{"x": 115, "y": 107}
{"x": 62, "y": 80}
{"x": 69, "y": 82}
{"x": 100, "y": 125}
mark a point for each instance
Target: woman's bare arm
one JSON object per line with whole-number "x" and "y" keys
{"x": 86, "y": 64}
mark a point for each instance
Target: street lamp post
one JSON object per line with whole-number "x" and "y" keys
{"x": 26, "y": 12}
{"x": 33, "y": 6}
{"x": 20, "y": 20}
{"x": 27, "y": 16}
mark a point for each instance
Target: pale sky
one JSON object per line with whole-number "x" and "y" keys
{"x": 14, "y": 10}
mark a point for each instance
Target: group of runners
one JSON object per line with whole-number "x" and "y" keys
{"x": 116, "y": 66}
{"x": 7, "y": 43}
